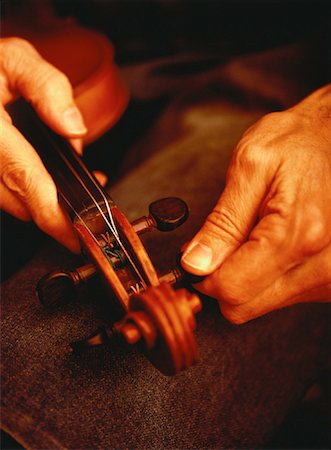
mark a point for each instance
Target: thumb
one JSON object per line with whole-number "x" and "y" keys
{"x": 230, "y": 222}
{"x": 40, "y": 83}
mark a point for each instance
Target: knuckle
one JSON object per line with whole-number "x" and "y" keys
{"x": 16, "y": 44}
{"x": 314, "y": 237}
{"x": 222, "y": 223}
{"x": 317, "y": 235}
{"x": 18, "y": 178}
{"x": 28, "y": 72}
{"x": 12, "y": 52}
{"x": 41, "y": 199}
{"x": 256, "y": 148}
{"x": 269, "y": 121}
{"x": 247, "y": 157}
{"x": 50, "y": 83}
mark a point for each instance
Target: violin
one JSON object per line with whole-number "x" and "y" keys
{"x": 155, "y": 316}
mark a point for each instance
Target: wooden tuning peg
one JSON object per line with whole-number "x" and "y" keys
{"x": 165, "y": 214}
{"x": 58, "y": 287}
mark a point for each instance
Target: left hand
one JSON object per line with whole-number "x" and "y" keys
{"x": 27, "y": 190}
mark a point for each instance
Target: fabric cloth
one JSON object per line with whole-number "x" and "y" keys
{"x": 249, "y": 375}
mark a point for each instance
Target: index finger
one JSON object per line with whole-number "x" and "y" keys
{"x": 23, "y": 174}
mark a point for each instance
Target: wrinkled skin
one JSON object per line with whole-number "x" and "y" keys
{"x": 27, "y": 191}
{"x": 267, "y": 243}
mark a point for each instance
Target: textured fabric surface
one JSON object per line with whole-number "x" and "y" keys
{"x": 249, "y": 375}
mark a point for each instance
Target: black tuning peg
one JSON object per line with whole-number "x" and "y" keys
{"x": 165, "y": 214}
{"x": 168, "y": 213}
{"x": 58, "y": 287}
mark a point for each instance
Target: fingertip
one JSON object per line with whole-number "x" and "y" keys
{"x": 63, "y": 232}
{"x": 101, "y": 177}
{"x": 73, "y": 122}
{"x": 77, "y": 144}
{"x": 61, "y": 229}
{"x": 73, "y": 244}
{"x": 197, "y": 258}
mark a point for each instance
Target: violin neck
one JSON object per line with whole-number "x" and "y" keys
{"x": 78, "y": 189}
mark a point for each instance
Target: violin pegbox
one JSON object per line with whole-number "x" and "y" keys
{"x": 158, "y": 318}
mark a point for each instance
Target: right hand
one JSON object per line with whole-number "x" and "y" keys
{"x": 267, "y": 243}
{"x": 27, "y": 190}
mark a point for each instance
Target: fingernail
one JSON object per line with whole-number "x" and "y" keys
{"x": 198, "y": 256}
{"x": 73, "y": 121}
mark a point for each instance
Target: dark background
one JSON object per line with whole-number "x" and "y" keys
{"x": 143, "y": 29}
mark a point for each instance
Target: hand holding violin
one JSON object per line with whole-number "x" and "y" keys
{"x": 27, "y": 191}
{"x": 267, "y": 243}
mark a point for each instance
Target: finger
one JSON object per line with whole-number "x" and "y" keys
{"x": 77, "y": 145}
{"x": 252, "y": 282}
{"x": 229, "y": 224}
{"x": 23, "y": 174}
{"x": 13, "y": 205}
{"x": 278, "y": 243}
{"x": 272, "y": 300}
{"x": 101, "y": 177}
{"x": 310, "y": 281}
{"x": 43, "y": 85}
{"x": 4, "y": 115}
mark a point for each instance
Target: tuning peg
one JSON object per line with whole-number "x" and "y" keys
{"x": 165, "y": 214}
{"x": 58, "y": 287}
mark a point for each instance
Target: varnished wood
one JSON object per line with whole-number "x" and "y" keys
{"x": 172, "y": 315}
{"x": 135, "y": 247}
{"x": 102, "y": 263}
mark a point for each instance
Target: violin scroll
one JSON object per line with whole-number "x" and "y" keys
{"x": 161, "y": 321}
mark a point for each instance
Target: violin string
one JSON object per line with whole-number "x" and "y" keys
{"x": 93, "y": 236}
{"x": 95, "y": 239}
{"x": 111, "y": 225}
{"x": 79, "y": 216}
{"x": 101, "y": 193}
{"x": 116, "y": 234}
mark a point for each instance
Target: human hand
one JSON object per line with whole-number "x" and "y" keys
{"x": 27, "y": 191}
{"x": 267, "y": 243}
